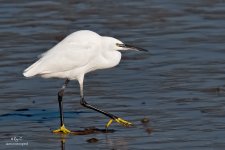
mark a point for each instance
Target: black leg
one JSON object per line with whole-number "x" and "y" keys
{"x": 111, "y": 116}
{"x": 60, "y": 96}
{"x": 85, "y": 104}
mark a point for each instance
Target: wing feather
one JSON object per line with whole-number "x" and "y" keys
{"x": 69, "y": 54}
{"x": 75, "y": 51}
{"x": 62, "y": 58}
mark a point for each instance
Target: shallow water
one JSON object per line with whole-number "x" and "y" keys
{"x": 179, "y": 86}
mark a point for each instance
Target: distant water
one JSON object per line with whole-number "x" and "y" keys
{"x": 179, "y": 86}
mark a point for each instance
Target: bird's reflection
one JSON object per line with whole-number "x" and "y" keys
{"x": 63, "y": 141}
{"x": 85, "y": 131}
{"x": 113, "y": 143}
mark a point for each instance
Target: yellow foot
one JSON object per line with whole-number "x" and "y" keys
{"x": 62, "y": 129}
{"x": 120, "y": 121}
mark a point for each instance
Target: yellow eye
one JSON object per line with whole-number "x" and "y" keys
{"x": 120, "y": 45}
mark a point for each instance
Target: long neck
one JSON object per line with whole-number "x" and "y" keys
{"x": 111, "y": 58}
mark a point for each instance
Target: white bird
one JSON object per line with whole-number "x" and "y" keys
{"x": 79, "y": 53}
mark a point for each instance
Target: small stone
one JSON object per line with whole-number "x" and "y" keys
{"x": 145, "y": 120}
{"x": 92, "y": 140}
{"x": 149, "y": 130}
{"x": 143, "y": 103}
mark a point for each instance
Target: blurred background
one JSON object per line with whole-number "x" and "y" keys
{"x": 174, "y": 95}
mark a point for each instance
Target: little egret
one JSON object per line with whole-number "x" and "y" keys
{"x": 79, "y": 53}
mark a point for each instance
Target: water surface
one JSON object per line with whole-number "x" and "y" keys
{"x": 179, "y": 86}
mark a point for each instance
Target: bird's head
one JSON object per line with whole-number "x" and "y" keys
{"x": 115, "y": 44}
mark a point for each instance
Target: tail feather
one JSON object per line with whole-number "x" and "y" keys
{"x": 32, "y": 70}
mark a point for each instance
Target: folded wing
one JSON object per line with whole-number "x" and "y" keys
{"x": 66, "y": 55}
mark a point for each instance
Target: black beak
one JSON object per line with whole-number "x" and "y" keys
{"x": 132, "y": 47}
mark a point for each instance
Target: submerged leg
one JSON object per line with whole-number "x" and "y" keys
{"x": 111, "y": 116}
{"x": 60, "y": 98}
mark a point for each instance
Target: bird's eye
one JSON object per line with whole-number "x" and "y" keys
{"x": 120, "y": 45}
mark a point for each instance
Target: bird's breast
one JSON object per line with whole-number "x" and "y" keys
{"x": 107, "y": 60}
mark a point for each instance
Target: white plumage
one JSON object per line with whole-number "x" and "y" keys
{"x": 79, "y": 53}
